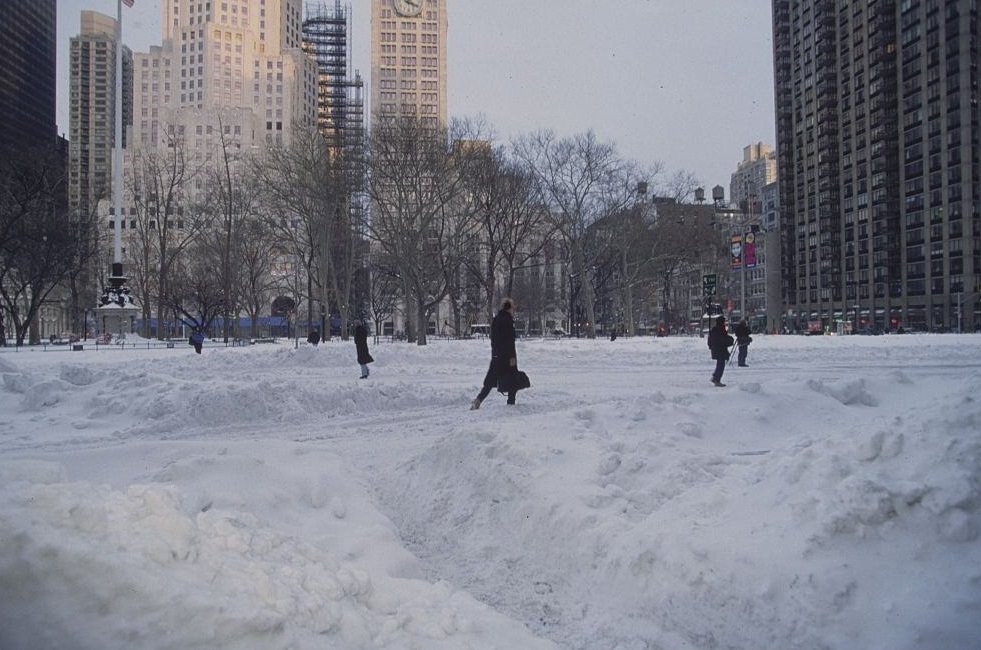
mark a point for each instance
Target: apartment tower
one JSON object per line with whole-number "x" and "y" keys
{"x": 408, "y": 59}
{"x": 878, "y": 160}
{"x": 27, "y": 85}
{"x": 92, "y": 110}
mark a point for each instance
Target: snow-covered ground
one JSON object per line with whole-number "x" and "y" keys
{"x": 266, "y": 498}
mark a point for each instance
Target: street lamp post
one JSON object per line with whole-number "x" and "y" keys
{"x": 572, "y": 302}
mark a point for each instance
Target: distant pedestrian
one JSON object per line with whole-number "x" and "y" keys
{"x": 743, "y": 339}
{"x": 313, "y": 338}
{"x": 503, "y": 370}
{"x": 197, "y": 339}
{"x": 719, "y": 343}
{"x": 361, "y": 344}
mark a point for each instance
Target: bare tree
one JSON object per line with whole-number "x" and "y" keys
{"x": 230, "y": 199}
{"x": 255, "y": 258}
{"x": 415, "y": 184}
{"x": 626, "y": 262}
{"x": 159, "y": 183}
{"x": 683, "y": 236}
{"x": 312, "y": 189}
{"x": 37, "y": 251}
{"x": 382, "y": 292}
{"x": 681, "y": 186}
{"x": 512, "y": 225}
{"x": 196, "y": 293}
{"x": 582, "y": 181}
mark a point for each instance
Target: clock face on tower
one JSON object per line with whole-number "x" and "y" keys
{"x": 408, "y": 7}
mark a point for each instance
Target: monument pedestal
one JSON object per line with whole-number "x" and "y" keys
{"x": 116, "y": 311}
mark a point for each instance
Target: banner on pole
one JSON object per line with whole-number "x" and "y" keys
{"x": 749, "y": 250}
{"x": 736, "y": 250}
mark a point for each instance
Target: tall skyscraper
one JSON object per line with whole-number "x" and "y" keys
{"x": 92, "y": 109}
{"x": 27, "y": 84}
{"x": 408, "y": 59}
{"x": 233, "y": 68}
{"x": 878, "y": 145}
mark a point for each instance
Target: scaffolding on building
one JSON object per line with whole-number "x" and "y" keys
{"x": 340, "y": 101}
{"x": 340, "y": 109}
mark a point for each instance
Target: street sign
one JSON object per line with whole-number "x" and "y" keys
{"x": 709, "y": 284}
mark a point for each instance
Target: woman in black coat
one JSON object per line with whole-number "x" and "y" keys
{"x": 361, "y": 344}
{"x": 504, "y": 358}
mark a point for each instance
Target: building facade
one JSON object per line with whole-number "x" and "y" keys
{"x": 27, "y": 85}
{"x": 757, "y": 168}
{"x": 878, "y": 158}
{"x": 92, "y": 110}
{"x": 340, "y": 104}
{"x": 408, "y": 59}
{"x": 747, "y": 192}
{"x": 236, "y": 65}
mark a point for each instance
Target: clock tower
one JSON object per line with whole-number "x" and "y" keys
{"x": 408, "y": 59}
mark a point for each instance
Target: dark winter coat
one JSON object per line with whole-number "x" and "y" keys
{"x": 313, "y": 338}
{"x": 197, "y": 340}
{"x": 509, "y": 378}
{"x": 742, "y": 333}
{"x": 502, "y": 341}
{"x": 361, "y": 344}
{"x": 719, "y": 342}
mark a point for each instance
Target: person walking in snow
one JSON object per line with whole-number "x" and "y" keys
{"x": 361, "y": 345}
{"x": 719, "y": 343}
{"x": 743, "y": 339}
{"x": 504, "y": 358}
{"x": 197, "y": 339}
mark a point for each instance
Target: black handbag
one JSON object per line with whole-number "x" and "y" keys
{"x": 512, "y": 382}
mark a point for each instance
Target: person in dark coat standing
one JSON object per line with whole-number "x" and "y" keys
{"x": 504, "y": 358}
{"x": 361, "y": 344}
{"x": 743, "y": 339}
{"x": 719, "y": 343}
{"x": 197, "y": 339}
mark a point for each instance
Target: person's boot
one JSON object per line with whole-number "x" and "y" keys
{"x": 718, "y": 382}
{"x": 475, "y": 404}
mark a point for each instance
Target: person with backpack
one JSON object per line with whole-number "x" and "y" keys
{"x": 743, "y": 339}
{"x": 719, "y": 343}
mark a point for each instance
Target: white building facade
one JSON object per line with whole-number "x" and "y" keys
{"x": 408, "y": 59}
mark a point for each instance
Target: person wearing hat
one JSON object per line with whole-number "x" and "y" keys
{"x": 719, "y": 343}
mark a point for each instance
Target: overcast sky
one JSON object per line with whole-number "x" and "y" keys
{"x": 688, "y": 83}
